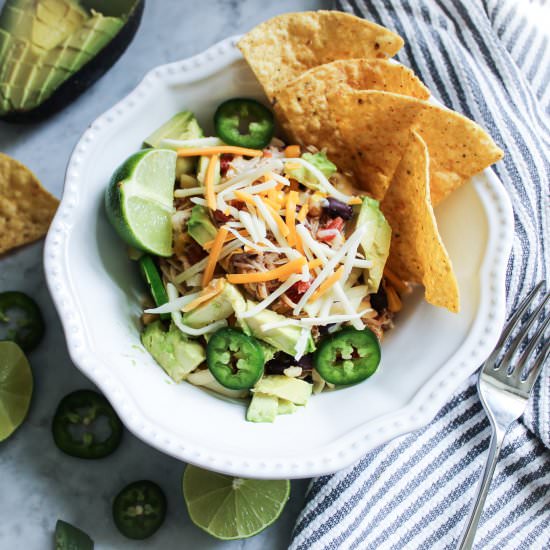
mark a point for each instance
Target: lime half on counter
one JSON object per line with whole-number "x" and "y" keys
{"x": 232, "y": 507}
{"x": 15, "y": 388}
{"x": 139, "y": 200}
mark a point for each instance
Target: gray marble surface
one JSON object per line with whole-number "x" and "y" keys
{"x": 39, "y": 483}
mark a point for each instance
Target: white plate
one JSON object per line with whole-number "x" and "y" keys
{"x": 97, "y": 292}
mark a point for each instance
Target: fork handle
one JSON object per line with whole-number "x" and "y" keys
{"x": 469, "y": 533}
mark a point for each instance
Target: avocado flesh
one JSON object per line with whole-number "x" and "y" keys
{"x": 44, "y": 42}
{"x": 282, "y": 338}
{"x": 181, "y": 126}
{"x": 283, "y": 387}
{"x": 262, "y": 408}
{"x": 172, "y": 350}
{"x": 200, "y": 226}
{"x": 222, "y": 306}
{"x": 375, "y": 245}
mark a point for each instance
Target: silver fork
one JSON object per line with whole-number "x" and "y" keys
{"x": 504, "y": 388}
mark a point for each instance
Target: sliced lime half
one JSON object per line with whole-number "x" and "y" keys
{"x": 232, "y": 507}
{"x": 139, "y": 200}
{"x": 15, "y": 388}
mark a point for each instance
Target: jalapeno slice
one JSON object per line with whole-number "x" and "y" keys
{"x": 235, "y": 360}
{"x": 152, "y": 277}
{"x": 79, "y": 422}
{"x": 348, "y": 356}
{"x": 69, "y": 537}
{"x": 23, "y": 317}
{"x": 245, "y": 123}
{"x": 139, "y": 509}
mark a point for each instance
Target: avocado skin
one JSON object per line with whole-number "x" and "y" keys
{"x": 86, "y": 76}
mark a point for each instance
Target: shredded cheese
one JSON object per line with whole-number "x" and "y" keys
{"x": 328, "y": 284}
{"x": 311, "y": 321}
{"x": 218, "y": 150}
{"x": 293, "y": 151}
{"x": 301, "y": 343}
{"x": 293, "y": 279}
{"x": 290, "y": 217}
{"x": 355, "y": 200}
{"x": 209, "y": 182}
{"x": 282, "y": 273}
{"x": 303, "y": 212}
{"x": 214, "y": 288}
{"x": 283, "y": 228}
{"x": 173, "y": 305}
{"x": 214, "y": 256}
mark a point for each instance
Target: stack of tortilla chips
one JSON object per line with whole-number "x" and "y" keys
{"x": 329, "y": 79}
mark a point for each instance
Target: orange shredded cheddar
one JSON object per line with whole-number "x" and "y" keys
{"x": 211, "y": 291}
{"x": 303, "y": 212}
{"x": 214, "y": 255}
{"x": 283, "y": 228}
{"x": 230, "y": 237}
{"x": 293, "y": 151}
{"x": 209, "y": 182}
{"x": 355, "y": 200}
{"x": 244, "y": 197}
{"x": 395, "y": 281}
{"x": 290, "y": 217}
{"x": 327, "y": 285}
{"x": 219, "y": 150}
{"x": 273, "y": 205}
{"x": 394, "y": 302}
{"x": 315, "y": 263}
{"x": 282, "y": 273}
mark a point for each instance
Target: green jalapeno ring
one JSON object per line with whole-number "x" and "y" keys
{"x": 153, "y": 278}
{"x": 235, "y": 360}
{"x": 348, "y": 356}
{"x": 30, "y": 327}
{"x": 69, "y": 413}
{"x": 233, "y": 115}
{"x": 139, "y": 509}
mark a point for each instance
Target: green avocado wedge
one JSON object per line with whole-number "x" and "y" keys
{"x": 53, "y": 50}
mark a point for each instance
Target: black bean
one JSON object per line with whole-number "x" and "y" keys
{"x": 379, "y": 301}
{"x": 337, "y": 208}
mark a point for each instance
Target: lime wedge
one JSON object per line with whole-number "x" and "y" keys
{"x": 232, "y": 507}
{"x": 15, "y": 388}
{"x": 139, "y": 200}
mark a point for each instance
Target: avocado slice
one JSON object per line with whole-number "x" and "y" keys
{"x": 79, "y": 40}
{"x": 291, "y": 389}
{"x": 282, "y": 338}
{"x": 181, "y": 126}
{"x": 200, "y": 226}
{"x": 202, "y": 166}
{"x": 262, "y": 408}
{"x": 172, "y": 350}
{"x": 376, "y": 243}
{"x": 227, "y": 302}
{"x": 286, "y": 407}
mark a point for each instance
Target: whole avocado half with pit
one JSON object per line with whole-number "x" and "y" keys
{"x": 90, "y": 47}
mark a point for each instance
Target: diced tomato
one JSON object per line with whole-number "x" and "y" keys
{"x": 267, "y": 154}
{"x": 297, "y": 289}
{"x": 219, "y": 216}
{"x": 329, "y": 231}
{"x": 225, "y": 161}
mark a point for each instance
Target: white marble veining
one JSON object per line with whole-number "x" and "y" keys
{"x": 39, "y": 483}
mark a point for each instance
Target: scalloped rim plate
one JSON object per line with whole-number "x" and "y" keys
{"x": 351, "y": 444}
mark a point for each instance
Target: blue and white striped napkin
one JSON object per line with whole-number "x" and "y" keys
{"x": 490, "y": 60}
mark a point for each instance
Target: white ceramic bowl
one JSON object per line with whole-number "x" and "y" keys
{"x": 97, "y": 292}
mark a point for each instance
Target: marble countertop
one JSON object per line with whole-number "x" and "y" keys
{"x": 39, "y": 483}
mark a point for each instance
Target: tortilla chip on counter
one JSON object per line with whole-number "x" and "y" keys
{"x": 417, "y": 253}
{"x": 374, "y": 128}
{"x": 302, "y": 105}
{"x": 26, "y": 208}
{"x": 459, "y": 148}
{"x": 287, "y": 45}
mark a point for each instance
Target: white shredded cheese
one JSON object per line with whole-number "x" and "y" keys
{"x": 174, "y": 305}
{"x": 271, "y": 298}
{"x": 301, "y": 343}
{"x": 178, "y": 319}
{"x": 198, "y": 142}
{"x": 270, "y": 222}
{"x": 312, "y": 321}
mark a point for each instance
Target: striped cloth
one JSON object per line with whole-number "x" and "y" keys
{"x": 489, "y": 60}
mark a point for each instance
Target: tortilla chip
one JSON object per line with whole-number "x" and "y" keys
{"x": 26, "y": 208}
{"x": 374, "y": 128}
{"x": 459, "y": 148}
{"x": 417, "y": 253}
{"x": 302, "y": 105}
{"x": 285, "y": 46}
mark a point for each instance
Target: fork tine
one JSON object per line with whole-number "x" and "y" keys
{"x": 530, "y": 349}
{"x": 514, "y": 345}
{"x": 512, "y": 323}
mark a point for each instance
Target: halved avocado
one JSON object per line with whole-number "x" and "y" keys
{"x": 46, "y": 71}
